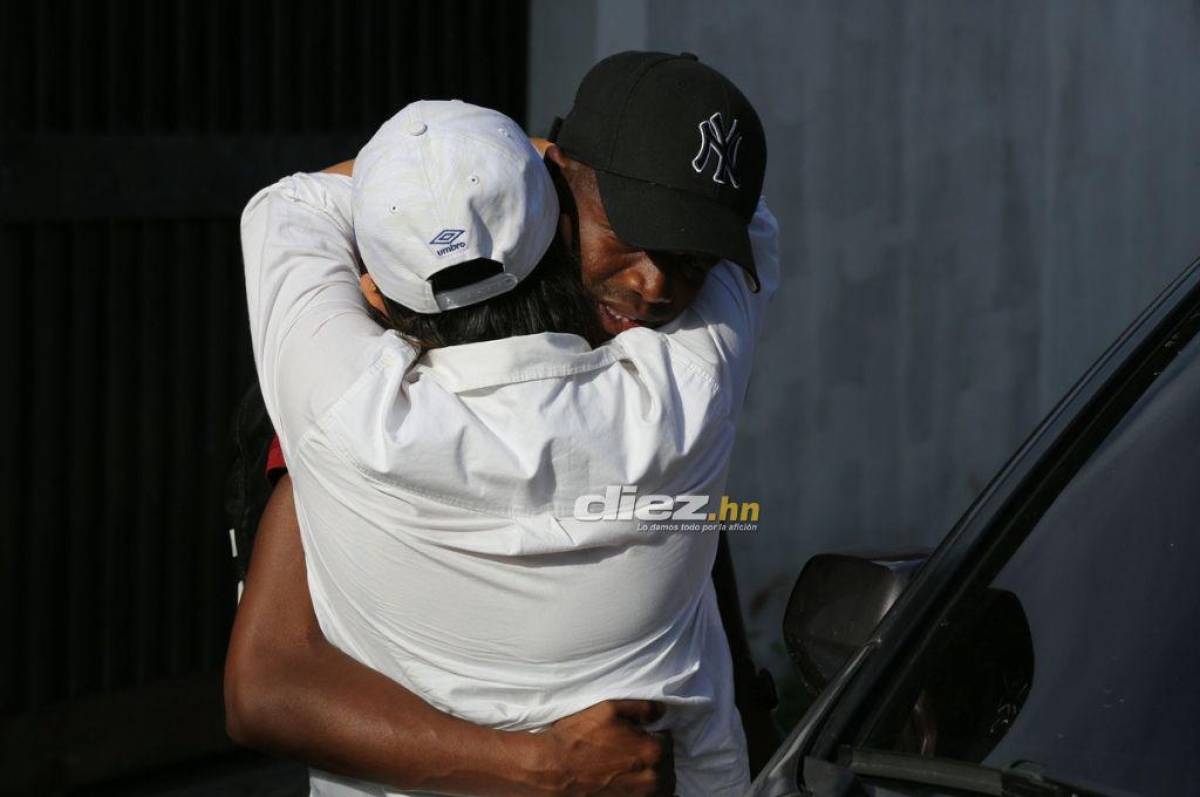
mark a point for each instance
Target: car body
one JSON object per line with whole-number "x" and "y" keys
{"x": 1050, "y": 644}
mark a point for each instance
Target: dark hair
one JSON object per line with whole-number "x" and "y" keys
{"x": 550, "y": 299}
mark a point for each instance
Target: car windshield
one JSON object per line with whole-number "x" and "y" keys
{"x": 1075, "y": 650}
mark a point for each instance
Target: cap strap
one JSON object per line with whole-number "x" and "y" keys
{"x": 470, "y": 294}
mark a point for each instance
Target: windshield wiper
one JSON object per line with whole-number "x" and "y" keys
{"x": 960, "y": 775}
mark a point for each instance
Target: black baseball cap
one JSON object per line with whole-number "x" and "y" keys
{"x": 679, "y": 153}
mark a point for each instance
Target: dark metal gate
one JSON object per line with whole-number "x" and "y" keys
{"x": 131, "y": 134}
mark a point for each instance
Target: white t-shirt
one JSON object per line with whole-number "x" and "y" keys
{"x": 436, "y": 496}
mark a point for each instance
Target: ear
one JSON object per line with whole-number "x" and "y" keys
{"x": 557, "y": 163}
{"x": 552, "y": 154}
{"x": 370, "y": 292}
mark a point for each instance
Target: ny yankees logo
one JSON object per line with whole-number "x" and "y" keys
{"x": 716, "y": 140}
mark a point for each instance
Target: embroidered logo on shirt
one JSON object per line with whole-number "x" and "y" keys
{"x": 448, "y": 240}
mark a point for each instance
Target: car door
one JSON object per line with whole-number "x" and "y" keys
{"x": 1051, "y": 638}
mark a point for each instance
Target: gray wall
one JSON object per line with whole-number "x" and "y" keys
{"x": 974, "y": 198}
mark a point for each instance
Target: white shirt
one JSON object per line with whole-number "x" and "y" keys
{"x": 436, "y": 495}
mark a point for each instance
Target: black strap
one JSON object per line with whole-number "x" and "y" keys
{"x": 247, "y": 488}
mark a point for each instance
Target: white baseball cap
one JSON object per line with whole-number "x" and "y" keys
{"x": 442, "y": 183}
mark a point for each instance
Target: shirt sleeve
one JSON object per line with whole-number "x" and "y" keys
{"x": 721, "y": 327}
{"x": 309, "y": 327}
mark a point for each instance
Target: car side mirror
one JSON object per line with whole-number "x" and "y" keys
{"x": 838, "y": 600}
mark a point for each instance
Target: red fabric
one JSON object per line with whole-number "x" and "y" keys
{"x": 276, "y": 467}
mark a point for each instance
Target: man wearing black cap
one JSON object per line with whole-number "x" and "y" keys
{"x": 662, "y": 160}
{"x": 677, "y": 155}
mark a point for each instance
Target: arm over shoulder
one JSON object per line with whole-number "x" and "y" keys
{"x": 309, "y": 327}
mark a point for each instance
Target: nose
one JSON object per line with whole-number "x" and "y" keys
{"x": 654, "y": 284}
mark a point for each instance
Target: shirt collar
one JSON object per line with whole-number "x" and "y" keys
{"x": 522, "y": 358}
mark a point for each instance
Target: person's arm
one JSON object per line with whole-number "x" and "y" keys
{"x": 288, "y": 691}
{"x": 310, "y": 331}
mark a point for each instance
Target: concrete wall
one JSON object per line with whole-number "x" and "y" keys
{"x": 975, "y": 198}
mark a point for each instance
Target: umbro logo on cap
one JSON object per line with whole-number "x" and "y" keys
{"x": 448, "y": 241}
{"x": 446, "y": 237}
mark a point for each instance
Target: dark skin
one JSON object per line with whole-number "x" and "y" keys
{"x": 289, "y": 691}
{"x": 632, "y": 286}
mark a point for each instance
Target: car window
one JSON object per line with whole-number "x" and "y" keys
{"x": 1075, "y": 651}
